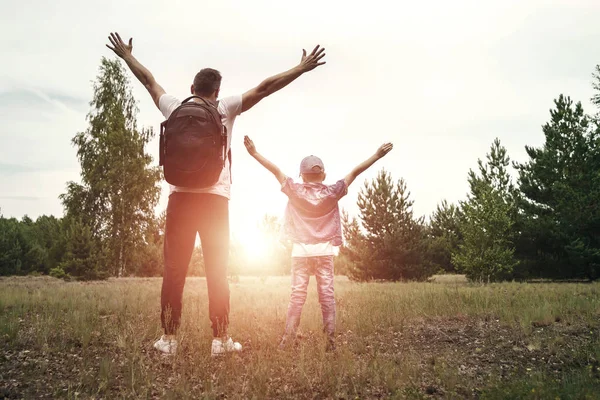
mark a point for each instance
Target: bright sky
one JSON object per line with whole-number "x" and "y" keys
{"x": 440, "y": 79}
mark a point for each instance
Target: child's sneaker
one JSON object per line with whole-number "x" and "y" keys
{"x": 166, "y": 346}
{"x": 221, "y": 347}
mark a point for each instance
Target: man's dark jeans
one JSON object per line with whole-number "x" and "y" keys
{"x": 207, "y": 214}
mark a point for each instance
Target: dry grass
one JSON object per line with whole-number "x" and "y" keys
{"x": 449, "y": 279}
{"x": 445, "y": 339}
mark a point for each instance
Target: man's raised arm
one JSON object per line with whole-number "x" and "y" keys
{"x": 279, "y": 81}
{"x": 144, "y": 76}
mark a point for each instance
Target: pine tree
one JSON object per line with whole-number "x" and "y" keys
{"x": 355, "y": 253}
{"x": 119, "y": 189}
{"x": 387, "y": 243}
{"x": 488, "y": 220}
{"x": 82, "y": 257}
{"x": 443, "y": 236}
{"x": 561, "y": 188}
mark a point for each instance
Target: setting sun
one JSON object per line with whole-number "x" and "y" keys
{"x": 255, "y": 245}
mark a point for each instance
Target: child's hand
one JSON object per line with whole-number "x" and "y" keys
{"x": 249, "y": 146}
{"x": 384, "y": 149}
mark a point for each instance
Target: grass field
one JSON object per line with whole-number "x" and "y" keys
{"x": 440, "y": 339}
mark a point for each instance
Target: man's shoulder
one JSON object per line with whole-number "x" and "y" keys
{"x": 167, "y": 98}
{"x": 167, "y": 103}
{"x": 230, "y": 99}
{"x": 231, "y": 105}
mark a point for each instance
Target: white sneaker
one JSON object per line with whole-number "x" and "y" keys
{"x": 221, "y": 347}
{"x": 166, "y": 346}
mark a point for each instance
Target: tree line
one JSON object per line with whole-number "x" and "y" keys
{"x": 536, "y": 219}
{"x": 545, "y": 223}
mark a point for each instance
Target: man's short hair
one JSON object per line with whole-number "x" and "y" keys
{"x": 207, "y": 81}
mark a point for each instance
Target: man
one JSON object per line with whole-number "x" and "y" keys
{"x": 205, "y": 211}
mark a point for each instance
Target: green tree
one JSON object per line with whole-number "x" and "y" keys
{"x": 354, "y": 253}
{"x": 488, "y": 221}
{"x": 561, "y": 187}
{"x": 196, "y": 267}
{"x": 443, "y": 236}
{"x": 83, "y": 258}
{"x": 11, "y": 250}
{"x": 119, "y": 189}
{"x": 33, "y": 256}
{"x": 44, "y": 247}
{"x": 387, "y": 242}
{"x": 150, "y": 254}
{"x": 28, "y": 246}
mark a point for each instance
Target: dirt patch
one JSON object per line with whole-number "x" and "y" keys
{"x": 450, "y": 356}
{"x": 473, "y": 353}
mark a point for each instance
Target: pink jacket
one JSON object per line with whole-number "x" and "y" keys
{"x": 312, "y": 214}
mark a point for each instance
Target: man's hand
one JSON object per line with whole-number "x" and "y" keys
{"x": 141, "y": 73}
{"x": 119, "y": 47}
{"x": 279, "y": 81}
{"x": 310, "y": 62}
{"x": 384, "y": 149}
{"x": 250, "y": 146}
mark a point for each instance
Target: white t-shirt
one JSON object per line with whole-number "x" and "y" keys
{"x": 314, "y": 250}
{"x": 229, "y": 107}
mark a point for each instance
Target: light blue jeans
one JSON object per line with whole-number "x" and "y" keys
{"x": 302, "y": 269}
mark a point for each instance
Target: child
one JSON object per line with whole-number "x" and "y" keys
{"x": 312, "y": 223}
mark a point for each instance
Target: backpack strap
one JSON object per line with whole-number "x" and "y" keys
{"x": 228, "y": 151}
{"x": 208, "y": 103}
{"x": 230, "y": 162}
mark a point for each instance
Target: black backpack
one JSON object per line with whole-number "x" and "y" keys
{"x": 193, "y": 143}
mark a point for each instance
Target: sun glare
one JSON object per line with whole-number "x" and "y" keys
{"x": 255, "y": 245}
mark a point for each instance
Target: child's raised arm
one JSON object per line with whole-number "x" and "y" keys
{"x": 363, "y": 166}
{"x": 281, "y": 177}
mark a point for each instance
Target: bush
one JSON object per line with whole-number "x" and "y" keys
{"x": 58, "y": 272}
